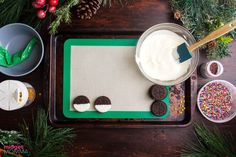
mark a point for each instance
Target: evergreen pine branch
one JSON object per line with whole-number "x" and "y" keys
{"x": 44, "y": 140}
{"x": 201, "y": 17}
{"x": 9, "y": 137}
{"x": 22, "y": 11}
{"x": 220, "y": 51}
{"x": 33, "y": 20}
{"x": 10, "y": 11}
{"x": 63, "y": 14}
{"x": 210, "y": 143}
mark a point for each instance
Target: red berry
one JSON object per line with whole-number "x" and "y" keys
{"x": 53, "y": 3}
{"x": 41, "y": 2}
{"x": 36, "y": 5}
{"x": 52, "y": 9}
{"x": 41, "y": 14}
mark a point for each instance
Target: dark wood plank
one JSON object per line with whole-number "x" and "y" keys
{"x": 136, "y": 17}
{"x": 121, "y": 142}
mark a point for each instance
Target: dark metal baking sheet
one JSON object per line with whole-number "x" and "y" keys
{"x": 55, "y": 91}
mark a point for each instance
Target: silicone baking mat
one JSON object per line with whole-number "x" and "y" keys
{"x": 106, "y": 67}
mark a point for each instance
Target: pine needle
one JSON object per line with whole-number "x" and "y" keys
{"x": 210, "y": 143}
{"x": 201, "y": 17}
{"x": 22, "y": 11}
{"x": 10, "y": 10}
{"x": 63, "y": 14}
{"x": 9, "y": 137}
{"x": 44, "y": 140}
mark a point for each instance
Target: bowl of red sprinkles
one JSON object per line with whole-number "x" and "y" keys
{"x": 217, "y": 101}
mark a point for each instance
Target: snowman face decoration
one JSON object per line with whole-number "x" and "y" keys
{"x": 13, "y": 95}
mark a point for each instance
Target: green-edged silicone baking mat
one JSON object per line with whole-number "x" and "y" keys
{"x": 106, "y": 67}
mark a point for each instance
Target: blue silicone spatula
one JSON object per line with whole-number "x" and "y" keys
{"x": 184, "y": 51}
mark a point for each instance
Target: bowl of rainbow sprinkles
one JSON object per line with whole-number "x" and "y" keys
{"x": 217, "y": 101}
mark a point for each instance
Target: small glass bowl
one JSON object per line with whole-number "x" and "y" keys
{"x": 181, "y": 31}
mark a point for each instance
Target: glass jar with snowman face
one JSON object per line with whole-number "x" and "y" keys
{"x": 15, "y": 95}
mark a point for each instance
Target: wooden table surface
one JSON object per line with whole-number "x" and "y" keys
{"x": 132, "y": 19}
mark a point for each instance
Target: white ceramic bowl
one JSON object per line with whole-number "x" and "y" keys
{"x": 232, "y": 90}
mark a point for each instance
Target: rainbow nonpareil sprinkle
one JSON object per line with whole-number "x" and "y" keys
{"x": 215, "y": 101}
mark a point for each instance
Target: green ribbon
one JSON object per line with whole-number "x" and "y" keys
{"x": 8, "y": 60}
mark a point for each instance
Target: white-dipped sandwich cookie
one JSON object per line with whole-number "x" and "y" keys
{"x": 81, "y": 103}
{"x": 102, "y": 104}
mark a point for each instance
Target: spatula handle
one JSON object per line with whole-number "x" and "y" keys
{"x": 214, "y": 35}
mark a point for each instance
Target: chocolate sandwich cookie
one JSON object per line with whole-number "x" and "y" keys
{"x": 102, "y": 104}
{"x": 81, "y": 103}
{"x": 158, "y": 108}
{"x": 158, "y": 92}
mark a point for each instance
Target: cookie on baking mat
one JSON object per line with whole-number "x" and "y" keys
{"x": 81, "y": 103}
{"x": 102, "y": 104}
{"x": 158, "y": 92}
{"x": 158, "y": 108}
